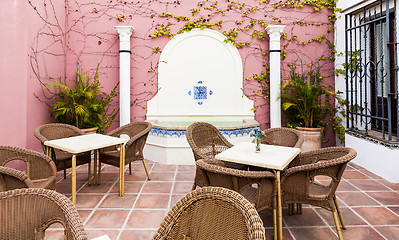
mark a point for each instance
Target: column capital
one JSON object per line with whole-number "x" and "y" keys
{"x": 125, "y": 32}
{"x": 275, "y": 31}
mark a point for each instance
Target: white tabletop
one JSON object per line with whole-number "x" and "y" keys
{"x": 271, "y": 156}
{"x": 84, "y": 143}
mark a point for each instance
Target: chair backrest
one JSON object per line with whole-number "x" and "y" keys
{"x": 206, "y": 140}
{"x": 137, "y": 132}
{"x": 328, "y": 162}
{"x": 11, "y": 179}
{"x": 212, "y": 213}
{"x": 38, "y": 165}
{"x": 27, "y": 213}
{"x": 286, "y": 137}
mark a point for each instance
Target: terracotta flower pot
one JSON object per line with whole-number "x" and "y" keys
{"x": 311, "y": 138}
{"x": 90, "y": 130}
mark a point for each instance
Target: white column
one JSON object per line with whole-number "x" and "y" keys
{"x": 274, "y": 32}
{"x": 124, "y": 73}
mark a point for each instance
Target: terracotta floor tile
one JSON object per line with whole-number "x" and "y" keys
{"x": 112, "y": 234}
{"x": 153, "y": 201}
{"x": 105, "y": 168}
{"x": 182, "y": 187}
{"x": 136, "y": 176}
{"x": 175, "y": 198}
{"x": 107, "y": 219}
{"x": 137, "y": 234}
{"x": 87, "y": 201}
{"x": 267, "y": 217}
{"x": 163, "y": 167}
{"x": 162, "y": 176}
{"x": 66, "y": 188}
{"x": 378, "y": 215}
{"x": 313, "y": 233}
{"x": 360, "y": 233}
{"x": 385, "y": 198}
{"x": 355, "y": 198}
{"x": 130, "y": 187}
{"x": 190, "y": 168}
{"x": 350, "y": 218}
{"x": 371, "y": 175}
{"x": 110, "y": 177}
{"x": 80, "y": 177}
{"x": 157, "y": 187}
{"x": 369, "y": 185}
{"x": 346, "y": 186}
{"x": 389, "y": 232}
{"x": 116, "y": 201}
{"x": 84, "y": 214}
{"x": 354, "y": 175}
{"x": 185, "y": 176}
{"x": 394, "y": 186}
{"x": 394, "y": 209}
{"x": 308, "y": 218}
{"x": 102, "y": 188}
{"x": 145, "y": 219}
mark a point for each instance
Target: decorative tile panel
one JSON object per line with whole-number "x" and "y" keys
{"x": 228, "y": 133}
{"x": 200, "y": 93}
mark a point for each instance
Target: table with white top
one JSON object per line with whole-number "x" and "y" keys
{"x": 89, "y": 142}
{"x": 270, "y": 156}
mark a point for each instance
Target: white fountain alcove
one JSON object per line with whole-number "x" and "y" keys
{"x": 200, "y": 78}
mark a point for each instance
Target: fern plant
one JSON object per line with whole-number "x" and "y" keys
{"x": 83, "y": 105}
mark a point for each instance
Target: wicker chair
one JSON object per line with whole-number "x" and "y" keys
{"x": 206, "y": 141}
{"x": 40, "y": 169}
{"x": 61, "y": 159}
{"x": 27, "y": 213}
{"x": 211, "y": 213}
{"x": 138, "y": 133}
{"x": 11, "y": 179}
{"x": 298, "y": 182}
{"x": 286, "y": 137}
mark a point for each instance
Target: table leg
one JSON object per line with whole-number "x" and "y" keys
{"x": 89, "y": 172}
{"x": 95, "y": 167}
{"x": 122, "y": 171}
{"x": 280, "y": 210}
{"x": 74, "y": 179}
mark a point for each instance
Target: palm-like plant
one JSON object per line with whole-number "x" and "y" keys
{"x": 305, "y": 101}
{"x": 84, "y": 105}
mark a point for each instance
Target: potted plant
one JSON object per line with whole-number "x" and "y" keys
{"x": 306, "y": 104}
{"x": 258, "y": 134}
{"x": 84, "y": 104}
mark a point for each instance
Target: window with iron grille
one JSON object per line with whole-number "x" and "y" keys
{"x": 372, "y": 70}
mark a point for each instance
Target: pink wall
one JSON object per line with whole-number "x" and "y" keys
{"x": 82, "y": 32}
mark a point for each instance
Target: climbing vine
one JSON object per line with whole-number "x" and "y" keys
{"x": 87, "y": 33}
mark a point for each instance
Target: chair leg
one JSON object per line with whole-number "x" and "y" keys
{"x": 89, "y": 172}
{"x": 337, "y": 225}
{"x": 299, "y": 208}
{"x": 275, "y": 222}
{"x": 99, "y": 173}
{"x": 146, "y": 170}
{"x": 290, "y": 206}
{"x": 64, "y": 173}
{"x": 341, "y": 219}
{"x": 130, "y": 168}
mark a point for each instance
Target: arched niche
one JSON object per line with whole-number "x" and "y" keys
{"x": 200, "y": 77}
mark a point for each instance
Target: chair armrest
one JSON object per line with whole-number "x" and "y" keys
{"x": 21, "y": 176}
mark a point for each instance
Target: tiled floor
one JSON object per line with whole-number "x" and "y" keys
{"x": 369, "y": 204}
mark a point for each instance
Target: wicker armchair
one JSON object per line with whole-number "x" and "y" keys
{"x": 211, "y": 213}
{"x": 206, "y": 141}
{"x": 298, "y": 182}
{"x": 11, "y": 179}
{"x": 138, "y": 133}
{"x": 61, "y": 159}
{"x": 27, "y": 213}
{"x": 286, "y": 137}
{"x": 40, "y": 169}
